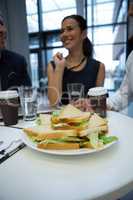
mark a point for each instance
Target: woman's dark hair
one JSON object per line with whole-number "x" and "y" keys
{"x": 87, "y": 45}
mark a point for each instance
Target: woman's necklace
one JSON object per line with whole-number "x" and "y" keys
{"x": 75, "y": 66}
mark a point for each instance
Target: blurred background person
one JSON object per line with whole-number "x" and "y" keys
{"x": 13, "y": 66}
{"x": 78, "y": 67}
{"x": 123, "y": 97}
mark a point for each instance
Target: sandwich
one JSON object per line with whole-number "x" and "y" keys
{"x": 47, "y": 138}
{"x": 97, "y": 133}
{"x": 70, "y": 118}
{"x": 95, "y": 124}
{"x": 69, "y": 128}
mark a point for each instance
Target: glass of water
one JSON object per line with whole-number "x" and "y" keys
{"x": 28, "y": 99}
{"x": 75, "y": 91}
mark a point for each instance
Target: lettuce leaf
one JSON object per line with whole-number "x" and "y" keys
{"x": 94, "y": 140}
{"x": 55, "y": 113}
{"x": 108, "y": 139}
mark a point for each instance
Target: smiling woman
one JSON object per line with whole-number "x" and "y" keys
{"x": 78, "y": 66}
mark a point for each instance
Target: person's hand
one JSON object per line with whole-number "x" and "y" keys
{"x": 83, "y": 104}
{"x": 60, "y": 62}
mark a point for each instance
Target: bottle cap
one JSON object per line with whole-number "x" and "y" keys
{"x": 8, "y": 94}
{"x": 97, "y": 91}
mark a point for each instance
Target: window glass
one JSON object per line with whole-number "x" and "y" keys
{"x": 52, "y": 20}
{"x": 53, "y": 40}
{"x": 32, "y": 21}
{"x": 89, "y": 15}
{"x": 34, "y": 42}
{"x": 55, "y": 11}
{"x": 115, "y": 69}
{"x": 31, "y": 7}
{"x": 32, "y": 15}
{"x": 103, "y": 13}
{"x": 57, "y": 5}
{"x": 89, "y": 2}
{"x": 34, "y": 69}
{"x": 104, "y": 53}
{"x": 103, "y": 35}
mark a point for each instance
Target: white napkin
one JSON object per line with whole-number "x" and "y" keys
{"x": 8, "y": 135}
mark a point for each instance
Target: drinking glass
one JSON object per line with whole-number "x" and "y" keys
{"x": 75, "y": 91}
{"x": 28, "y": 99}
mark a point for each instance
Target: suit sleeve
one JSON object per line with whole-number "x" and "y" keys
{"x": 26, "y": 81}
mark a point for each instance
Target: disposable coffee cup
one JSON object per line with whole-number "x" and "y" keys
{"x": 9, "y": 104}
{"x": 98, "y": 96}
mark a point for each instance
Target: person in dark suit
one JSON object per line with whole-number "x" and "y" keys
{"x": 13, "y": 66}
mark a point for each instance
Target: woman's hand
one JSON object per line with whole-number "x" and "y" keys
{"x": 60, "y": 62}
{"x": 83, "y": 104}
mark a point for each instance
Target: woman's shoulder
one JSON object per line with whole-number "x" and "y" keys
{"x": 93, "y": 62}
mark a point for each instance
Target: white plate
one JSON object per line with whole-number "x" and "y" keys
{"x": 74, "y": 152}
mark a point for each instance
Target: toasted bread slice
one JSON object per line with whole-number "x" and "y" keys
{"x": 35, "y": 130}
{"x": 56, "y": 134}
{"x": 70, "y": 114}
{"x": 76, "y": 119}
{"x": 96, "y": 121}
{"x": 40, "y": 133}
{"x": 69, "y": 110}
{"x": 99, "y": 129}
{"x": 58, "y": 146}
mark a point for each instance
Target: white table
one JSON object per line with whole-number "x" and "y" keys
{"x": 106, "y": 175}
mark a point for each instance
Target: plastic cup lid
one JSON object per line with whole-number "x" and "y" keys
{"x": 8, "y": 94}
{"x": 97, "y": 91}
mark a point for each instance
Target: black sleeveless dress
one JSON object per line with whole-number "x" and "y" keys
{"x": 87, "y": 76}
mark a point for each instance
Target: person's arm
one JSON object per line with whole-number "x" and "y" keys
{"x": 119, "y": 100}
{"x": 101, "y": 75}
{"x": 55, "y": 76}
